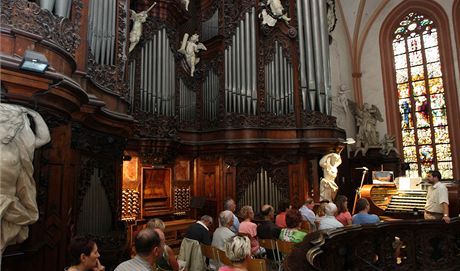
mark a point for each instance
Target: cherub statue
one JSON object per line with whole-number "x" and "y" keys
{"x": 136, "y": 32}
{"x": 189, "y": 48}
{"x": 275, "y": 13}
{"x": 388, "y": 145}
{"x": 330, "y": 163}
{"x": 185, "y": 3}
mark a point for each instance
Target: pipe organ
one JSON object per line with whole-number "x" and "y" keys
{"x": 211, "y": 96}
{"x": 240, "y": 68}
{"x": 279, "y": 97}
{"x": 315, "y": 80}
{"x": 101, "y": 30}
{"x": 157, "y": 79}
{"x": 187, "y": 103}
{"x": 261, "y": 191}
{"x": 210, "y": 28}
{"x": 60, "y": 7}
{"x": 131, "y": 80}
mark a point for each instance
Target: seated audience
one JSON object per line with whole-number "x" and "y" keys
{"x": 293, "y": 233}
{"x": 149, "y": 246}
{"x": 168, "y": 261}
{"x": 200, "y": 230}
{"x": 249, "y": 228}
{"x": 280, "y": 221}
{"x": 83, "y": 255}
{"x": 223, "y": 233}
{"x": 238, "y": 251}
{"x": 343, "y": 215}
{"x": 230, "y": 205}
{"x": 320, "y": 211}
{"x": 267, "y": 229}
{"x": 329, "y": 221}
{"x": 363, "y": 216}
{"x": 307, "y": 211}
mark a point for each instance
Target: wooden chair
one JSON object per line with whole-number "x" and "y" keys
{"x": 270, "y": 245}
{"x": 223, "y": 257}
{"x": 305, "y": 226}
{"x": 257, "y": 265}
{"x": 284, "y": 249}
{"x": 210, "y": 252}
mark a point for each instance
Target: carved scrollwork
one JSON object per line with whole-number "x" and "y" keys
{"x": 271, "y": 120}
{"x": 236, "y": 120}
{"x": 28, "y": 16}
{"x": 234, "y": 11}
{"x": 318, "y": 119}
{"x": 155, "y": 126}
{"x": 159, "y": 153}
{"x": 96, "y": 142}
{"x": 209, "y": 11}
{"x": 103, "y": 76}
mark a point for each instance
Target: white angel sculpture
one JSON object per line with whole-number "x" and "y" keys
{"x": 328, "y": 188}
{"x": 136, "y": 32}
{"x": 277, "y": 12}
{"x": 189, "y": 48}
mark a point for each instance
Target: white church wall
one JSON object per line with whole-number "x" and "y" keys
{"x": 341, "y": 69}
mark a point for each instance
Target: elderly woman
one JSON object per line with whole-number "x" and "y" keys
{"x": 84, "y": 255}
{"x": 238, "y": 251}
{"x": 329, "y": 221}
{"x": 249, "y": 229}
{"x": 293, "y": 233}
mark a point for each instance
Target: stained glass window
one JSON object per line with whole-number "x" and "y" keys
{"x": 422, "y": 104}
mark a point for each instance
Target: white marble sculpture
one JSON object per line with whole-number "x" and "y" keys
{"x": 185, "y": 3}
{"x": 189, "y": 48}
{"x": 342, "y": 98}
{"x": 328, "y": 188}
{"x": 276, "y": 13}
{"x": 136, "y": 32}
{"x": 18, "y": 206}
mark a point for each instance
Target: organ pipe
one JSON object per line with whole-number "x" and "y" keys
{"x": 210, "y": 96}
{"x": 315, "y": 77}
{"x": 102, "y": 30}
{"x": 210, "y": 28}
{"x": 240, "y": 72}
{"x": 157, "y": 82}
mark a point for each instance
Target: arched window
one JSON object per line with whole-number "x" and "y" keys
{"x": 421, "y": 97}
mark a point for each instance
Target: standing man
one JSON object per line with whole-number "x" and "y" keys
{"x": 230, "y": 205}
{"x": 307, "y": 211}
{"x": 149, "y": 246}
{"x": 437, "y": 199}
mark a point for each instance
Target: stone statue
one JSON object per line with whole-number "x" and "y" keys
{"x": 343, "y": 99}
{"x": 18, "y": 206}
{"x": 366, "y": 120}
{"x": 189, "y": 48}
{"x": 388, "y": 145}
{"x": 275, "y": 13}
{"x": 328, "y": 188}
{"x": 136, "y": 32}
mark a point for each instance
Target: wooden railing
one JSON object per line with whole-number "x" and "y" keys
{"x": 392, "y": 245}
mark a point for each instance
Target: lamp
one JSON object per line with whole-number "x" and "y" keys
{"x": 34, "y": 61}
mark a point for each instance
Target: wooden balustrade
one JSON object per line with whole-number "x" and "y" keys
{"x": 391, "y": 245}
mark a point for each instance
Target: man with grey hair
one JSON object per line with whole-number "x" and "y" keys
{"x": 223, "y": 233}
{"x": 230, "y": 205}
{"x": 200, "y": 230}
{"x": 329, "y": 221}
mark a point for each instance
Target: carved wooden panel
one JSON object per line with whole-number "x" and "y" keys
{"x": 156, "y": 190}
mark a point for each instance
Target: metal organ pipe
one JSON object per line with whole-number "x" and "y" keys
{"x": 157, "y": 82}
{"x": 325, "y": 53}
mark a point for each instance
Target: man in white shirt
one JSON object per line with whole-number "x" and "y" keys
{"x": 329, "y": 221}
{"x": 307, "y": 211}
{"x": 437, "y": 199}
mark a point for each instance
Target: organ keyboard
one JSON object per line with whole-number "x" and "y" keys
{"x": 386, "y": 199}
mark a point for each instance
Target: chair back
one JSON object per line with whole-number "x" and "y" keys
{"x": 223, "y": 257}
{"x": 267, "y": 243}
{"x": 285, "y": 247}
{"x": 209, "y": 252}
{"x": 305, "y": 226}
{"x": 257, "y": 265}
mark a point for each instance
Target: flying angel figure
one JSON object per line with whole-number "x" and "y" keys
{"x": 189, "y": 48}
{"x": 136, "y": 32}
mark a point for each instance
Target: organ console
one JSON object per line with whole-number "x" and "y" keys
{"x": 386, "y": 199}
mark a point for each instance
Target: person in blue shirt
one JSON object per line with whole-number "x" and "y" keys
{"x": 230, "y": 205}
{"x": 363, "y": 216}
